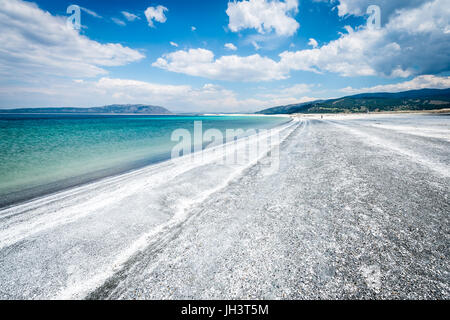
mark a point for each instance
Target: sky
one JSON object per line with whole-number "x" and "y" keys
{"x": 218, "y": 56}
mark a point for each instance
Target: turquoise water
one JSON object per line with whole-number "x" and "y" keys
{"x": 44, "y": 153}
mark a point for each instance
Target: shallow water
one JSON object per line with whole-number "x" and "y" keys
{"x": 43, "y": 153}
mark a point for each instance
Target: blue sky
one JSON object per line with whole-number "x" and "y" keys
{"x": 218, "y": 56}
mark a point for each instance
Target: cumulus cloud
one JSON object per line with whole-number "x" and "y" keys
{"x": 133, "y": 89}
{"x": 130, "y": 16}
{"x": 350, "y": 55}
{"x": 313, "y": 43}
{"x": 413, "y": 42}
{"x": 201, "y": 62}
{"x": 155, "y": 13}
{"x": 264, "y": 16}
{"x": 230, "y": 46}
{"x": 35, "y": 43}
{"x": 420, "y": 82}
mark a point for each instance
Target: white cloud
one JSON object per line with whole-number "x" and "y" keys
{"x": 118, "y": 22}
{"x": 155, "y": 13}
{"x": 139, "y": 89}
{"x": 36, "y": 44}
{"x": 292, "y": 94}
{"x": 298, "y": 89}
{"x": 313, "y": 43}
{"x": 209, "y": 97}
{"x": 264, "y": 16}
{"x": 420, "y": 82}
{"x": 193, "y": 28}
{"x": 130, "y": 16}
{"x": 230, "y": 46}
{"x": 388, "y": 7}
{"x": 91, "y": 13}
{"x": 348, "y": 56}
{"x": 173, "y": 44}
{"x": 201, "y": 62}
{"x": 181, "y": 98}
{"x": 412, "y": 42}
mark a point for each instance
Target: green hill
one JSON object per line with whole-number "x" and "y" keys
{"x": 425, "y": 99}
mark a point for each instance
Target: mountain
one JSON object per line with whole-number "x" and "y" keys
{"x": 290, "y": 108}
{"x": 111, "y": 109}
{"x": 424, "y": 99}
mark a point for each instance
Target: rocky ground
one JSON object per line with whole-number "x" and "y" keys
{"x": 359, "y": 209}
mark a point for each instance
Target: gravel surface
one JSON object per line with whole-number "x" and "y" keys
{"x": 359, "y": 209}
{"x": 356, "y": 211}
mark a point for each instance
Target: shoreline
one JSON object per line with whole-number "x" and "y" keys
{"x": 369, "y": 114}
{"x": 17, "y": 198}
{"x": 26, "y": 195}
{"x": 119, "y": 217}
{"x": 318, "y": 115}
{"x": 434, "y": 111}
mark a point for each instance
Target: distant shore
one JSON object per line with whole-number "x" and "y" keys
{"x": 361, "y": 114}
{"x": 246, "y": 115}
{"x": 315, "y": 115}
